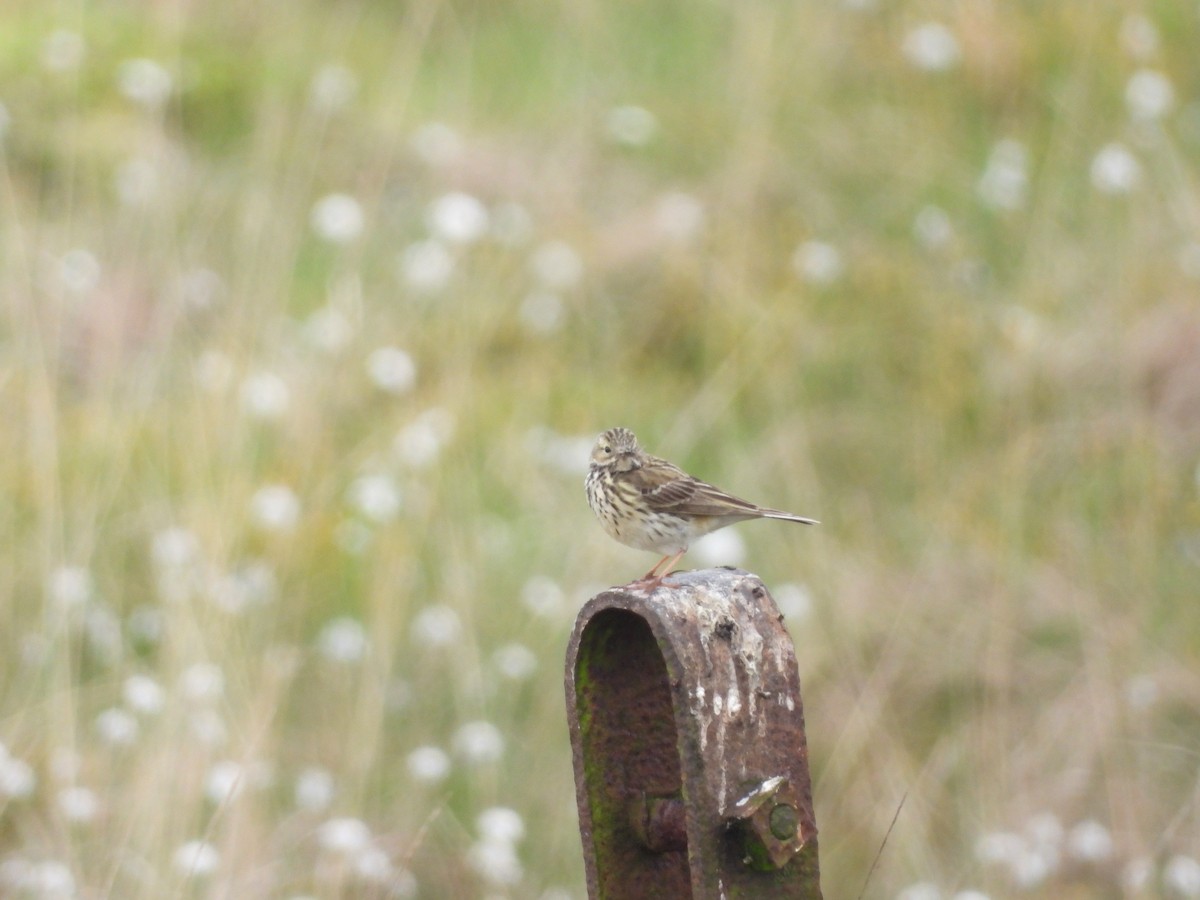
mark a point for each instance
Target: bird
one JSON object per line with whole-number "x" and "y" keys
{"x": 651, "y": 504}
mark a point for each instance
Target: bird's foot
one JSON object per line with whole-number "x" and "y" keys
{"x": 651, "y": 582}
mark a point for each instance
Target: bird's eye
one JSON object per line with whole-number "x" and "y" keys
{"x": 606, "y": 448}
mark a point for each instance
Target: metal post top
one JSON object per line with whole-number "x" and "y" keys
{"x": 707, "y": 596}
{"x": 686, "y": 693}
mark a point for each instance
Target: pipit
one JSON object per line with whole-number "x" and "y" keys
{"x": 651, "y": 504}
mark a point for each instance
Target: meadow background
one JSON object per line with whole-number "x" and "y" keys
{"x": 310, "y": 312}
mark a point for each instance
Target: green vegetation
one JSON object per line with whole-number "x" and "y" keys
{"x": 309, "y": 312}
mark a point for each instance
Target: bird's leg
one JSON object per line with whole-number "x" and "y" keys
{"x": 653, "y": 573}
{"x": 653, "y": 578}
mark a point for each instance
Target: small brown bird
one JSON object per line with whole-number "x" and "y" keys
{"x": 651, "y": 504}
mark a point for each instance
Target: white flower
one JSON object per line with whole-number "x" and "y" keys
{"x": 17, "y": 779}
{"x": 1136, "y": 874}
{"x": 1033, "y": 866}
{"x": 1005, "y": 179}
{"x": 1182, "y": 874}
{"x": 145, "y": 82}
{"x": 458, "y": 217}
{"x": 437, "y": 144}
{"x": 337, "y": 218}
{"x": 496, "y": 863}
{"x": 136, "y": 181}
{"x": 117, "y": 726}
{"x": 62, "y": 50}
{"x": 630, "y": 125}
{"x": 314, "y": 789}
{"x": 999, "y": 847}
{"x": 557, "y": 266}
{"x": 102, "y": 629}
{"x": 145, "y": 624}
{"x": 265, "y": 395}
{"x": 250, "y": 585}
{"x": 78, "y": 804}
{"x": 426, "y": 266}
{"x": 1115, "y": 170}
{"x": 226, "y": 780}
{"x": 79, "y": 271}
{"x": 1139, "y": 36}
{"x": 14, "y": 872}
{"x": 679, "y": 216}
{"x": 542, "y": 596}
{"x": 499, "y": 824}
{"x": 932, "y": 47}
{"x": 402, "y": 884}
{"x": 720, "y": 548}
{"x": 515, "y": 661}
{"x": 436, "y": 626}
{"x": 202, "y": 682}
{"x": 46, "y": 880}
{"x": 1141, "y": 691}
{"x": 818, "y": 262}
{"x": 275, "y": 507}
{"x": 373, "y": 865}
{"x": 567, "y": 454}
{"x": 479, "y": 742}
{"x": 932, "y": 227}
{"x": 344, "y": 836}
{"x": 1044, "y": 830}
{"x": 143, "y": 694}
{"x": 332, "y": 88}
{"x": 328, "y": 329}
{"x": 70, "y": 587}
{"x": 541, "y": 312}
{"x": 343, "y": 640}
{"x": 207, "y": 727}
{"x": 794, "y": 601}
{"x": 213, "y": 371}
{"x": 1149, "y": 94}
{"x": 420, "y": 442}
{"x": 375, "y": 497}
{"x": 392, "y": 370}
{"x": 1090, "y": 841}
{"x": 428, "y": 764}
{"x": 200, "y": 288}
{"x": 196, "y": 859}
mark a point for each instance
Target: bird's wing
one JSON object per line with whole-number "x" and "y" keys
{"x": 667, "y": 488}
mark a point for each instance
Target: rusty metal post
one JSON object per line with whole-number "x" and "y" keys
{"x": 691, "y": 767}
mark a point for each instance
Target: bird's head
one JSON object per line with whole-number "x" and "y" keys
{"x": 617, "y": 449}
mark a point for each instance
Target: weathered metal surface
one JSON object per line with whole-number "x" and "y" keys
{"x": 691, "y": 766}
{"x": 659, "y": 823}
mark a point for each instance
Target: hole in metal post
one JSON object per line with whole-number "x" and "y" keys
{"x": 630, "y": 752}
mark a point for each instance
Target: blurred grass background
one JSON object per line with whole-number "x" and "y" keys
{"x": 311, "y": 311}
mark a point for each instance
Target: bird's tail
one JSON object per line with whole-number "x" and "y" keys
{"x": 786, "y": 516}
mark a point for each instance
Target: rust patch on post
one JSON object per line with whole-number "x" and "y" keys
{"x": 691, "y": 766}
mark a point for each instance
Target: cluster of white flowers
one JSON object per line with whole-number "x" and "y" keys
{"x": 347, "y": 845}
{"x": 493, "y": 856}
